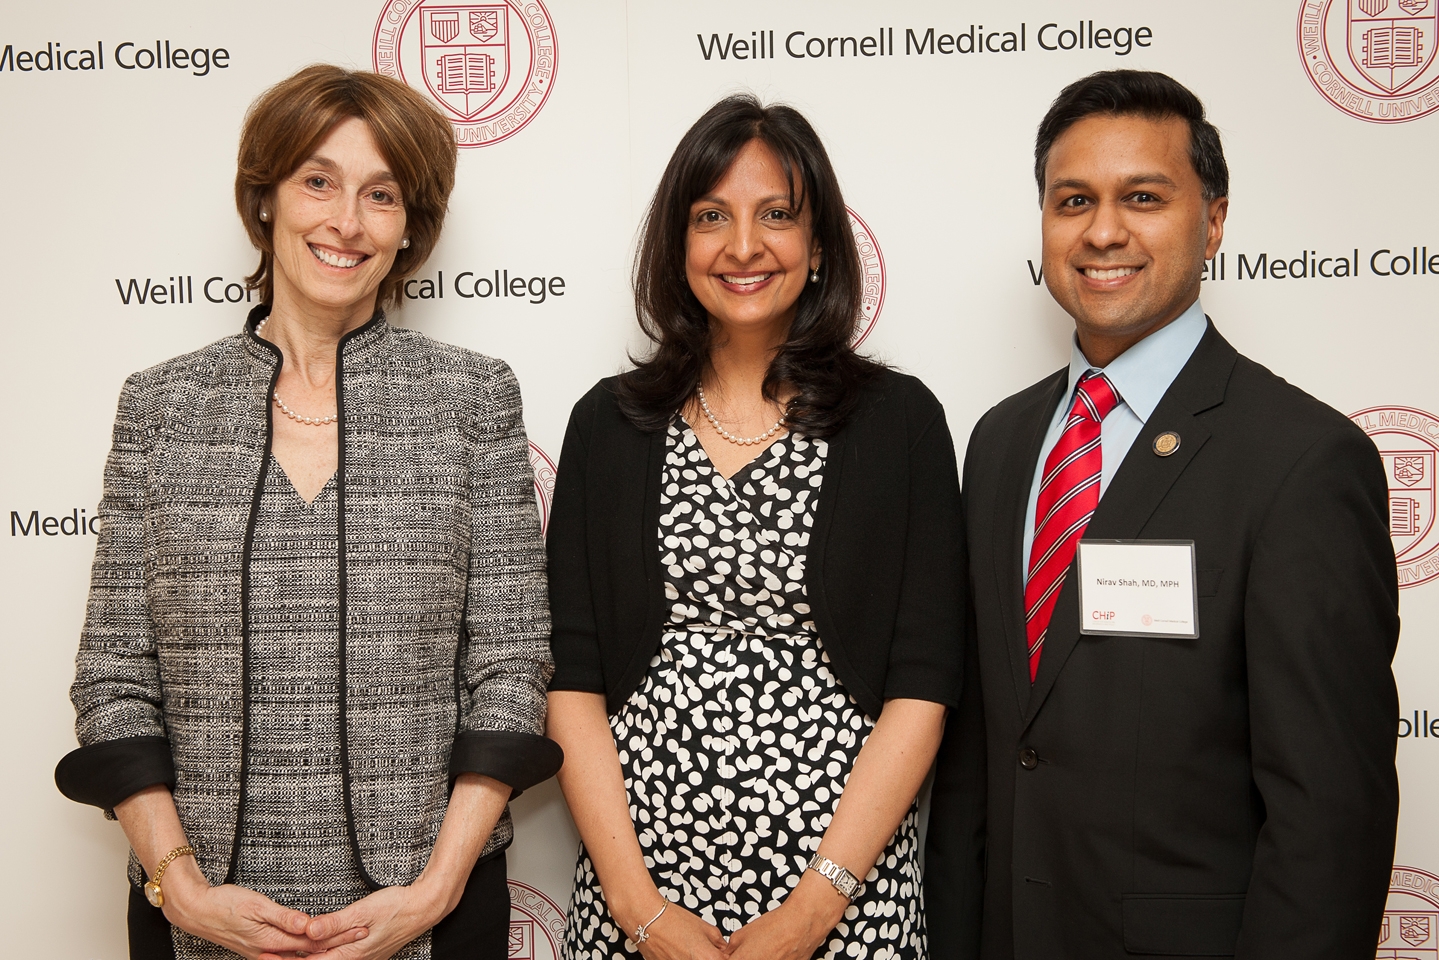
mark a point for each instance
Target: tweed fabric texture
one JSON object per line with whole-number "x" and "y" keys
{"x": 294, "y": 841}
{"x": 443, "y": 618}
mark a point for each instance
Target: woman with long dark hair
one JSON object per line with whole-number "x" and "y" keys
{"x": 756, "y": 576}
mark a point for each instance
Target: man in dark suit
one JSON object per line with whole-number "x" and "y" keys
{"x": 1216, "y": 781}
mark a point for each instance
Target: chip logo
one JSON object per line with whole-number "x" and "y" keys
{"x": 489, "y": 66}
{"x": 1408, "y": 442}
{"x": 871, "y": 269}
{"x": 537, "y": 924}
{"x": 1373, "y": 59}
{"x": 1411, "y": 917}
{"x": 544, "y": 469}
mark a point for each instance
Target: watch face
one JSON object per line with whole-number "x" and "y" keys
{"x": 153, "y": 894}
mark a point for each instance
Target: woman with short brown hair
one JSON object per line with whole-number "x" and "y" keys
{"x": 313, "y": 667}
{"x": 283, "y": 127}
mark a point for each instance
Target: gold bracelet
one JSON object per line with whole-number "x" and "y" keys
{"x": 152, "y": 889}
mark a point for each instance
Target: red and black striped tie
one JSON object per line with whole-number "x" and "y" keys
{"x": 1068, "y": 496}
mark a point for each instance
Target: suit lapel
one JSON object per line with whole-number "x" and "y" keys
{"x": 1016, "y": 477}
{"x": 1140, "y": 485}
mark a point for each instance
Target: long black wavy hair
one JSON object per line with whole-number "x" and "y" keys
{"x": 816, "y": 358}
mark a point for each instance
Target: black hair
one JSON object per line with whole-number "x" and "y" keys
{"x": 1144, "y": 93}
{"x": 816, "y": 358}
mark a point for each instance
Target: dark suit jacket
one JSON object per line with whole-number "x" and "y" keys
{"x": 885, "y": 569}
{"x": 1230, "y": 795}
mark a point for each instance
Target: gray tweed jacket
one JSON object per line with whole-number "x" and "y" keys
{"x": 444, "y": 622}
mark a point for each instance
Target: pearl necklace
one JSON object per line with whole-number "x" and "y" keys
{"x": 742, "y": 441}
{"x": 311, "y": 421}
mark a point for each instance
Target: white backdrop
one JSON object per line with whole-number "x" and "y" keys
{"x": 118, "y": 173}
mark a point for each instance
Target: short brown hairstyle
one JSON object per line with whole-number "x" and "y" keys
{"x": 289, "y": 121}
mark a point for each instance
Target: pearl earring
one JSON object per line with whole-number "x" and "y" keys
{"x": 264, "y": 215}
{"x": 814, "y": 276}
{"x": 405, "y": 244}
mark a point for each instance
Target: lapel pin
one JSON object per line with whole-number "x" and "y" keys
{"x": 1166, "y": 443}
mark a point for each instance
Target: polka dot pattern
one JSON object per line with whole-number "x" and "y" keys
{"x": 738, "y": 744}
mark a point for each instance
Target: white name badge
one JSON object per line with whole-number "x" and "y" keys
{"x": 1138, "y": 588}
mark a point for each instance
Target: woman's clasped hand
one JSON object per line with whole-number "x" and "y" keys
{"x": 371, "y": 928}
{"x": 679, "y": 934}
{"x": 792, "y": 931}
{"x": 249, "y": 923}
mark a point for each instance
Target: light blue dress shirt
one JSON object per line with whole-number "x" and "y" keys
{"x": 1140, "y": 375}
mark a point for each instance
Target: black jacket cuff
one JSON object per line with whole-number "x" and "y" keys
{"x": 103, "y": 774}
{"x": 518, "y": 760}
{"x": 936, "y": 686}
{"x": 578, "y": 680}
{"x": 577, "y": 664}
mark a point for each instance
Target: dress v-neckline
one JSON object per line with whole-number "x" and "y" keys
{"x": 746, "y": 467}
{"x": 290, "y": 483}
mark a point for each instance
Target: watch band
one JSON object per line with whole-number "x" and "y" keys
{"x": 845, "y": 882}
{"x": 153, "y": 893}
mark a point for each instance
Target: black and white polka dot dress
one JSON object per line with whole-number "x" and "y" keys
{"x": 737, "y": 744}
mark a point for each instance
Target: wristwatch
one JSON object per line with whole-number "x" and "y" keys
{"x": 152, "y": 889}
{"x": 844, "y": 881}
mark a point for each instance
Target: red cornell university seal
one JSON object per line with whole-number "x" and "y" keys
{"x": 489, "y": 66}
{"x": 1373, "y": 59}
{"x": 544, "y": 469}
{"x": 1410, "y": 930}
{"x": 537, "y": 924}
{"x": 1408, "y": 441}
{"x": 871, "y": 271}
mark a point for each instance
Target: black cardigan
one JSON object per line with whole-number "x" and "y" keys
{"x": 885, "y": 572}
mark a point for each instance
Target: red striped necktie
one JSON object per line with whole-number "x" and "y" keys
{"x": 1068, "y": 496}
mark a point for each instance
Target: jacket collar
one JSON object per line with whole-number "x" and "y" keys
{"x": 357, "y": 343}
{"x": 1140, "y": 485}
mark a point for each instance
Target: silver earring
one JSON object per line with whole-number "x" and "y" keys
{"x": 264, "y": 215}
{"x": 405, "y": 244}
{"x": 814, "y": 276}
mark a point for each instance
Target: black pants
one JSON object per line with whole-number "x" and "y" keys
{"x": 478, "y": 929}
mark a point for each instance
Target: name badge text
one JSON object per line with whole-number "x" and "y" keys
{"x": 1138, "y": 588}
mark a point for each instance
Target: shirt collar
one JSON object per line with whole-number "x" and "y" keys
{"x": 1143, "y": 373}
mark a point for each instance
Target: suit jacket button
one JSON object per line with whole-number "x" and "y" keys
{"x": 1028, "y": 759}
